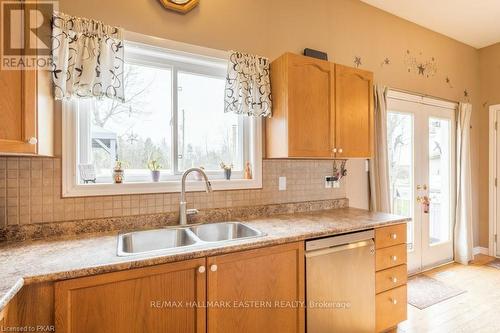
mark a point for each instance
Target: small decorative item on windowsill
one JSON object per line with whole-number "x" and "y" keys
{"x": 227, "y": 169}
{"x": 197, "y": 175}
{"x": 248, "y": 171}
{"x": 155, "y": 167}
{"x": 118, "y": 172}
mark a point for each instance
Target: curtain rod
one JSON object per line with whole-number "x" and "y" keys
{"x": 421, "y": 95}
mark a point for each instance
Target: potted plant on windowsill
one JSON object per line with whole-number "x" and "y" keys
{"x": 155, "y": 167}
{"x": 227, "y": 169}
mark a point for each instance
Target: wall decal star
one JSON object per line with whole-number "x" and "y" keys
{"x": 466, "y": 93}
{"x": 448, "y": 81}
{"x": 357, "y": 61}
{"x": 421, "y": 69}
{"x": 419, "y": 66}
{"x": 386, "y": 61}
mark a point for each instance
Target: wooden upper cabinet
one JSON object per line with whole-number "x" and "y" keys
{"x": 320, "y": 110}
{"x": 26, "y": 111}
{"x": 272, "y": 277}
{"x": 301, "y": 125}
{"x": 18, "y": 111}
{"x": 157, "y": 299}
{"x": 354, "y": 112}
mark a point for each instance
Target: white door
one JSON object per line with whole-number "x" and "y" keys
{"x": 421, "y": 147}
{"x": 495, "y": 154}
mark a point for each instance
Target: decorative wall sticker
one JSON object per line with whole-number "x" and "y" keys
{"x": 180, "y": 6}
{"x": 419, "y": 66}
{"x": 466, "y": 93}
{"x": 448, "y": 81}
{"x": 357, "y": 61}
{"x": 386, "y": 61}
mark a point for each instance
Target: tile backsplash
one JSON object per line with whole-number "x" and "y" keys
{"x": 30, "y": 192}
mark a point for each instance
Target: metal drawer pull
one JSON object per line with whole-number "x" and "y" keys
{"x": 334, "y": 150}
{"x": 394, "y": 280}
{"x": 32, "y": 141}
{"x": 213, "y": 268}
{"x": 394, "y": 301}
{"x": 394, "y": 236}
{"x": 201, "y": 269}
{"x": 341, "y": 150}
{"x": 394, "y": 258}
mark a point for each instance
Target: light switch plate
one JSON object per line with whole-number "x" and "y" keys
{"x": 282, "y": 183}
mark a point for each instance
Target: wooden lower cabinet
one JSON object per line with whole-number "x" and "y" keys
{"x": 32, "y": 307}
{"x": 391, "y": 277}
{"x": 3, "y": 314}
{"x": 152, "y": 299}
{"x": 235, "y": 292}
{"x": 262, "y": 288}
{"x": 391, "y": 308}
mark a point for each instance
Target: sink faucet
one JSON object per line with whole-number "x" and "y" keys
{"x": 183, "y": 212}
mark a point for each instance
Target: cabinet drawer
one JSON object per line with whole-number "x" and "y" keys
{"x": 390, "y": 236}
{"x": 390, "y": 257}
{"x": 390, "y": 278}
{"x": 390, "y": 308}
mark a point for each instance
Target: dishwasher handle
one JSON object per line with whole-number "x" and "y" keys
{"x": 345, "y": 247}
{"x": 328, "y": 242}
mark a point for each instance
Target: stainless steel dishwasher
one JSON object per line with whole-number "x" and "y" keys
{"x": 340, "y": 283}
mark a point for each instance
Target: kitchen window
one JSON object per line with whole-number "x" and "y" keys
{"x": 173, "y": 114}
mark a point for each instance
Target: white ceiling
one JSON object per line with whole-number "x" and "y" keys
{"x": 473, "y": 22}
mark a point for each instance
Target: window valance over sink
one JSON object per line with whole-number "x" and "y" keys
{"x": 248, "y": 86}
{"x": 87, "y": 58}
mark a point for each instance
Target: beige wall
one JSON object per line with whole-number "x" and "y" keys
{"x": 343, "y": 28}
{"x": 489, "y": 74}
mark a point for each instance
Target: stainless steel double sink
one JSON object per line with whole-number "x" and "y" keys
{"x": 170, "y": 239}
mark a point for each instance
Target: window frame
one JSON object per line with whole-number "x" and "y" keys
{"x": 151, "y": 51}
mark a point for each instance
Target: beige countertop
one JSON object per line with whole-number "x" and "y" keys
{"x": 59, "y": 259}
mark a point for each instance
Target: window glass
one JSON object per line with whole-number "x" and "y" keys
{"x": 173, "y": 114}
{"x": 134, "y": 132}
{"x": 206, "y": 135}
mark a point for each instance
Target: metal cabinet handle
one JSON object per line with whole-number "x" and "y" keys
{"x": 32, "y": 140}
{"x": 341, "y": 150}
{"x": 201, "y": 269}
{"x": 394, "y": 258}
{"x": 334, "y": 150}
{"x": 394, "y": 236}
{"x": 394, "y": 301}
{"x": 394, "y": 280}
{"x": 213, "y": 268}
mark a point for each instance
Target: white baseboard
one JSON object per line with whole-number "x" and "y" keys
{"x": 480, "y": 250}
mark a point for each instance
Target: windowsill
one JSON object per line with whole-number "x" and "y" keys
{"x": 159, "y": 187}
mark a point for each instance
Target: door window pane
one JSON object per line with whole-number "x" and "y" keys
{"x": 400, "y": 150}
{"x": 206, "y": 135}
{"x": 439, "y": 180}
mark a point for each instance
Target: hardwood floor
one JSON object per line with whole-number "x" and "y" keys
{"x": 477, "y": 310}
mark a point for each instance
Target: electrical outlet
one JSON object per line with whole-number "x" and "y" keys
{"x": 328, "y": 182}
{"x": 282, "y": 183}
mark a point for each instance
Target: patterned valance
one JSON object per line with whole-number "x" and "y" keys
{"x": 248, "y": 86}
{"x": 87, "y": 58}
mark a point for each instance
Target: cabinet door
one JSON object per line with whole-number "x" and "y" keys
{"x": 257, "y": 290}
{"x": 17, "y": 110}
{"x": 311, "y": 87}
{"x": 353, "y": 112}
{"x": 156, "y": 299}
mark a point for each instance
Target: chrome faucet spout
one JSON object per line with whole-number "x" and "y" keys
{"x": 183, "y": 212}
